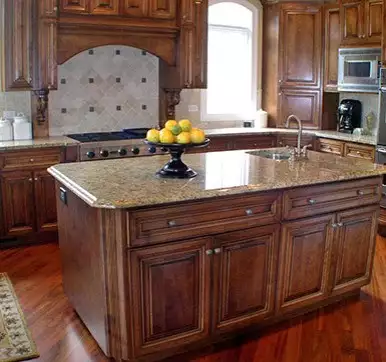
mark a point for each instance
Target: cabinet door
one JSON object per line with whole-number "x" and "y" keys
{"x": 18, "y": 202}
{"x": 352, "y": 22}
{"x": 171, "y": 286}
{"x": 163, "y": 9}
{"x": 331, "y": 47}
{"x": 136, "y": 8}
{"x": 301, "y": 46}
{"x": 104, "y": 7}
{"x": 303, "y": 103}
{"x": 354, "y": 249}
{"x": 305, "y": 262}
{"x": 244, "y": 277}
{"x": 73, "y": 6}
{"x": 374, "y": 21}
{"x": 18, "y": 45}
{"x": 45, "y": 201}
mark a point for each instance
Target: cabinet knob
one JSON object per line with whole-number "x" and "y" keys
{"x": 360, "y": 192}
{"x": 334, "y": 225}
{"x": 340, "y": 224}
{"x": 36, "y": 179}
{"x": 249, "y": 212}
{"x": 31, "y": 160}
{"x": 172, "y": 223}
{"x": 30, "y": 179}
{"x": 209, "y": 252}
{"x": 312, "y": 201}
{"x": 217, "y": 250}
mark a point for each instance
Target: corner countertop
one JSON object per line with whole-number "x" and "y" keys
{"x": 131, "y": 182}
{"x": 37, "y": 143}
{"x": 368, "y": 140}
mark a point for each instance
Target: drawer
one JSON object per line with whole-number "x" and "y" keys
{"x": 31, "y": 158}
{"x": 216, "y": 144}
{"x": 359, "y": 151}
{"x": 253, "y": 142}
{"x": 309, "y": 201}
{"x": 331, "y": 146}
{"x": 202, "y": 218}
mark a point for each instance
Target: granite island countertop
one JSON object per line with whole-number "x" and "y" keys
{"x": 131, "y": 182}
{"x": 57, "y": 141}
{"x": 368, "y": 140}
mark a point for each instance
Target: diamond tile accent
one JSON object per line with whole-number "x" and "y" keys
{"x": 116, "y": 105}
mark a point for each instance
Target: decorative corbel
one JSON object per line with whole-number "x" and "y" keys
{"x": 173, "y": 97}
{"x": 41, "y": 106}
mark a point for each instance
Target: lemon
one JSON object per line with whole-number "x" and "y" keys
{"x": 166, "y": 136}
{"x": 152, "y": 135}
{"x": 170, "y": 124}
{"x": 176, "y": 130}
{"x": 183, "y": 138}
{"x": 197, "y": 135}
{"x": 185, "y": 125}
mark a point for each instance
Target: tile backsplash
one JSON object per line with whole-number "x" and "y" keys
{"x": 105, "y": 89}
{"x": 15, "y": 101}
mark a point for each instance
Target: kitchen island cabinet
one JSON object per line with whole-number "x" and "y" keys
{"x": 158, "y": 267}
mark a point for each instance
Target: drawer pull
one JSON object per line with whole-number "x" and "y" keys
{"x": 217, "y": 250}
{"x": 172, "y": 223}
{"x": 334, "y": 226}
{"x": 36, "y": 179}
{"x": 312, "y": 201}
{"x": 360, "y": 193}
{"x": 249, "y": 212}
{"x": 31, "y": 160}
{"x": 340, "y": 224}
{"x": 30, "y": 180}
{"x": 209, "y": 252}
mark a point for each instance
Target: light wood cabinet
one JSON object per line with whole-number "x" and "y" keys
{"x": 171, "y": 306}
{"x": 361, "y": 22}
{"x": 163, "y": 9}
{"x": 244, "y": 277}
{"x": 135, "y": 8}
{"x": 104, "y": 7}
{"x": 73, "y": 6}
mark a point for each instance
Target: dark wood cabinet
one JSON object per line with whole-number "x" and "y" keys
{"x": 361, "y": 22}
{"x": 135, "y": 8}
{"x": 73, "y": 6}
{"x": 353, "y": 248}
{"x": 163, "y": 9}
{"x": 45, "y": 201}
{"x": 331, "y": 47}
{"x": 18, "y": 202}
{"x": 104, "y": 7}
{"x": 171, "y": 295}
{"x": 244, "y": 277}
{"x": 305, "y": 262}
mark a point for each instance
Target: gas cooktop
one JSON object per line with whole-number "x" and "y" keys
{"x": 126, "y": 134}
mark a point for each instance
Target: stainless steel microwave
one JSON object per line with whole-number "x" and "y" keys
{"x": 358, "y": 69}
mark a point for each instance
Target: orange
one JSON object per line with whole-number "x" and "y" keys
{"x": 170, "y": 124}
{"x": 197, "y": 135}
{"x": 166, "y": 136}
{"x": 152, "y": 135}
{"x": 183, "y": 138}
{"x": 185, "y": 125}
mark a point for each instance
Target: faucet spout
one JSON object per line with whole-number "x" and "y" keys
{"x": 300, "y": 129}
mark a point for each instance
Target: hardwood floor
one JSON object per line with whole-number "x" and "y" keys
{"x": 354, "y": 331}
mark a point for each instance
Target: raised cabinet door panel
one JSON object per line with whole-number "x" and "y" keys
{"x": 331, "y": 47}
{"x": 354, "y": 248}
{"x": 352, "y": 22}
{"x": 73, "y": 6}
{"x": 301, "y": 46}
{"x": 136, "y": 8}
{"x": 374, "y": 21}
{"x": 104, "y": 7}
{"x": 171, "y": 286}
{"x": 244, "y": 277}
{"x": 303, "y": 103}
{"x": 163, "y": 9}
{"x": 305, "y": 262}
{"x": 18, "y": 45}
{"x": 45, "y": 201}
{"x": 18, "y": 202}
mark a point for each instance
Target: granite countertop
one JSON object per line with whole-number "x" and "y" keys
{"x": 368, "y": 140}
{"x": 132, "y": 182}
{"x": 37, "y": 143}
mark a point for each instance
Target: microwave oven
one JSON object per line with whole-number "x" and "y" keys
{"x": 358, "y": 69}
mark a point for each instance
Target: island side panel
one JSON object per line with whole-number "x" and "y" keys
{"x": 82, "y": 263}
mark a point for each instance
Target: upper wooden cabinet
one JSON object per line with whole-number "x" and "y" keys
{"x": 136, "y": 8}
{"x": 104, "y": 7}
{"x": 73, "y": 6}
{"x": 361, "y": 22}
{"x": 163, "y": 9}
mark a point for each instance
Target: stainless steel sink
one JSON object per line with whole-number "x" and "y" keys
{"x": 278, "y": 155}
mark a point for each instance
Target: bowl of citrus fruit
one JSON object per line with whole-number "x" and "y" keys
{"x": 176, "y": 137}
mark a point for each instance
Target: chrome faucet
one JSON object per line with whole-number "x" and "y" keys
{"x": 300, "y": 129}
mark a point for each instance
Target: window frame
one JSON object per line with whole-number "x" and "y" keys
{"x": 257, "y": 40}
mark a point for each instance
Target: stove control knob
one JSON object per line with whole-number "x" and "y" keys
{"x": 152, "y": 149}
{"x": 122, "y": 152}
{"x": 164, "y": 149}
{"x": 90, "y": 154}
{"x": 104, "y": 153}
{"x": 135, "y": 150}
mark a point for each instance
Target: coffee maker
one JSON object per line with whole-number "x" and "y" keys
{"x": 349, "y": 115}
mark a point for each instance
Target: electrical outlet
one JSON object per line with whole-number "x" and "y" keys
{"x": 247, "y": 124}
{"x": 192, "y": 108}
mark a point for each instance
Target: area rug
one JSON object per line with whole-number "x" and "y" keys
{"x": 16, "y": 343}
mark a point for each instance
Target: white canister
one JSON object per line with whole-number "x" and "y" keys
{"x": 6, "y": 131}
{"x": 22, "y": 128}
{"x": 261, "y": 119}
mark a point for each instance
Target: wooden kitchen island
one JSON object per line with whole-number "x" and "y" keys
{"x": 158, "y": 267}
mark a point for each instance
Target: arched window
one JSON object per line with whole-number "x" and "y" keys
{"x": 234, "y": 60}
